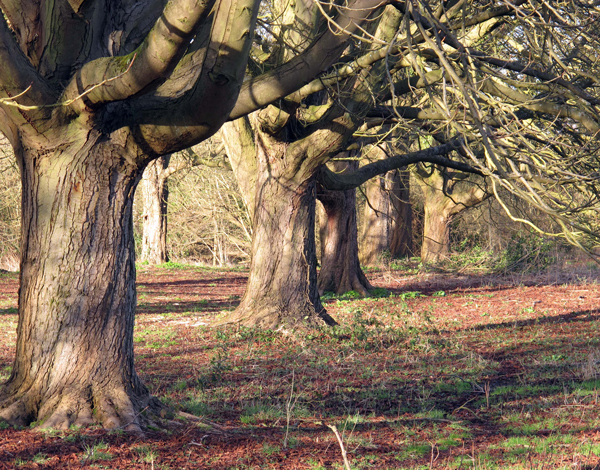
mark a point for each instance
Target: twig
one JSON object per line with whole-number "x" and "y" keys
{"x": 288, "y": 408}
{"x": 339, "y": 438}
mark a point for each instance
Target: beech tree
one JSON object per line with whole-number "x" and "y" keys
{"x": 91, "y": 92}
{"x": 340, "y": 268}
{"x": 445, "y": 195}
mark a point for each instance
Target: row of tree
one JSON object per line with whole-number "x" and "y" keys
{"x": 92, "y": 92}
{"x": 386, "y": 223}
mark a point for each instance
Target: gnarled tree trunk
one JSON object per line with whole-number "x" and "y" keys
{"x": 77, "y": 297}
{"x": 155, "y": 198}
{"x": 340, "y": 269}
{"x": 446, "y": 194}
{"x": 282, "y": 284}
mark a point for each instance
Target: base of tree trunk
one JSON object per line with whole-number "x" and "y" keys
{"x": 345, "y": 282}
{"x": 110, "y": 406}
{"x": 270, "y": 317}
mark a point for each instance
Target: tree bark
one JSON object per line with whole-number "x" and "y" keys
{"x": 155, "y": 197}
{"x": 74, "y": 358}
{"x": 387, "y": 223}
{"x": 282, "y": 283}
{"x": 445, "y": 195}
{"x": 340, "y": 269}
{"x": 436, "y": 232}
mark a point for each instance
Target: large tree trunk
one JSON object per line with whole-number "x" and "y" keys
{"x": 340, "y": 269}
{"x": 282, "y": 283}
{"x": 387, "y": 223}
{"x": 155, "y": 198}
{"x": 74, "y": 358}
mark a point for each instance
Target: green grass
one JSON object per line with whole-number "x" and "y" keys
{"x": 95, "y": 452}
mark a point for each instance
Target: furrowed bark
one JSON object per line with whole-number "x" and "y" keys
{"x": 340, "y": 269}
{"x": 74, "y": 358}
{"x": 18, "y": 75}
{"x": 282, "y": 284}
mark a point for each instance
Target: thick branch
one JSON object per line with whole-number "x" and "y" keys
{"x": 173, "y": 119}
{"x": 342, "y": 182}
{"x": 303, "y": 68}
{"x": 153, "y": 61}
{"x": 17, "y": 75}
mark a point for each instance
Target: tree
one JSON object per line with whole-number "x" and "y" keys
{"x": 340, "y": 268}
{"x": 155, "y": 197}
{"x": 282, "y": 148}
{"x": 387, "y": 217}
{"x": 445, "y": 195}
{"x": 439, "y": 61}
{"x": 85, "y": 112}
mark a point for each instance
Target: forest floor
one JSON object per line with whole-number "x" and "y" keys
{"x": 440, "y": 371}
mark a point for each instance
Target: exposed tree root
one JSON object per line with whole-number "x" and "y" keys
{"x": 270, "y": 317}
{"x": 111, "y": 407}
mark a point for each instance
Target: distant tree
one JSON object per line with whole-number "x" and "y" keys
{"x": 340, "y": 268}
{"x": 155, "y": 196}
{"x": 154, "y": 192}
{"x": 387, "y": 216}
{"x": 445, "y": 195}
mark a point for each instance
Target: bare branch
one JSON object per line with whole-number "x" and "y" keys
{"x": 302, "y": 69}
{"x": 156, "y": 58}
{"x": 342, "y": 182}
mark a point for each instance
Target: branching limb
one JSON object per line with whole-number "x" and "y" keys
{"x": 340, "y": 182}
{"x": 17, "y": 75}
{"x": 154, "y": 60}
{"x": 302, "y": 69}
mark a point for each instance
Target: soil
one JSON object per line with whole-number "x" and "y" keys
{"x": 427, "y": 393}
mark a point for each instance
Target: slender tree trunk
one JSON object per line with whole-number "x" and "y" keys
{"x": 155, "y": 196}
{"x": 74, "y": 358}
{"x": 340, "y": 269}
{"x": 401, "y": 215}
{"x": 387, "y": 223}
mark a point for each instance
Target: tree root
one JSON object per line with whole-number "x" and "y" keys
{"x": 113, "y": 409}
{"x": 273, "y": 318}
